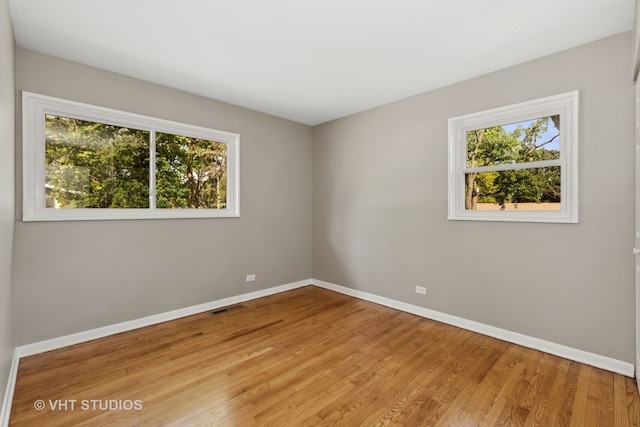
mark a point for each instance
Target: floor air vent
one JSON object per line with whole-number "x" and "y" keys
{"x": 227, "y": 309}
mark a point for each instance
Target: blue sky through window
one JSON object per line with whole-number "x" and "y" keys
{"x": 550, "y": 133}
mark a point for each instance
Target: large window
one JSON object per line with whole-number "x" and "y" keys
{"x": 516, "y": 163}
{"x": 86, "y": 162}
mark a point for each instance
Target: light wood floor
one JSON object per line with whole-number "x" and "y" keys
{"x": 315, "y": 357}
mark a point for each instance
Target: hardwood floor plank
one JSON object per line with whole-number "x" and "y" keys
{"x": 568, "y": 395}
{"x": 632, "y": 403}
{"x": 502, "y": 401}
{"x": 605, "y": 401}
{"x": 315, "y": 357}
{"x": 620, "y": 409}
{"x": 517, "y": 409}
{"x": 551, "y": 407}
{"x": 583, "y": 408}
{"x": 541, "y": 384}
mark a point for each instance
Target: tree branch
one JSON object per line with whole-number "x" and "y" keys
{"x": 535, "y": 147}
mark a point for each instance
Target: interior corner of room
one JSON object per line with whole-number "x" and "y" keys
{"x": 356, "y": 204}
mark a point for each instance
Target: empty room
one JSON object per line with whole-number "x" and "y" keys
{"x": 292, "y": 213}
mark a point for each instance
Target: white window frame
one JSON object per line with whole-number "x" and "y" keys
{"x": 566, "y": 106}
{"x": 34, "y": 109}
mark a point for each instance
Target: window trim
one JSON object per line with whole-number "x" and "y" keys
{"x": 34, "y": 109}
{"x": 566, "y": 106}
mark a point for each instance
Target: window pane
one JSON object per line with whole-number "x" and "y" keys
{"x": 527, "y": 141}
{"x": 94, "y": 165}
{"x": 535, "y": 189}
{"x": 191, "y": 172}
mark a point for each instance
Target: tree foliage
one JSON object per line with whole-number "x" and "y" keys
{"x": 498, "y": 146}
{"x": 94, "y": 165}
{"x": 192, "y": 173}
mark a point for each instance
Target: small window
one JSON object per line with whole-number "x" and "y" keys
{"x": 516, "y": 163}
{"x": 83, "y": 162}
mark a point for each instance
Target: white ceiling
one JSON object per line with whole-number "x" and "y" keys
{"x": 311, "y": 61}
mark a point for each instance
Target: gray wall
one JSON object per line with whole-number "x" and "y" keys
{"x": 379, "y": 213}
{"x": 7, "y": 198}
{"x": 380, "y": 208}
{"x": 78, "y": 275}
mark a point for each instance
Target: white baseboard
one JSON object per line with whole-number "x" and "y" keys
{"x": 8, "y": 394}
{"x": 581, "y": 356}
{"x": 80, "y": 337}
{"x": 570, "y": 353}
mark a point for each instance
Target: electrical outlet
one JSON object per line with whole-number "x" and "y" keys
{"x": 251, "y": 277}
{"x": 421, "y": 290}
